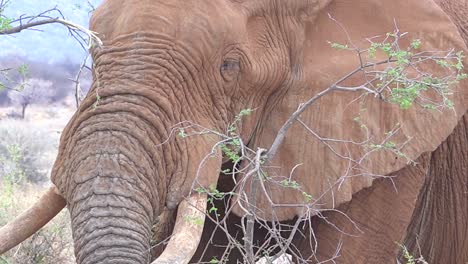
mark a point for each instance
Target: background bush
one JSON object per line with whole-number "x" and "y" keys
{"x": 51, "y": 244}
{"x": 27, "y": 151}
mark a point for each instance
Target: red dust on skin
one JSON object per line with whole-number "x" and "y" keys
{"x": 165, "y": 62}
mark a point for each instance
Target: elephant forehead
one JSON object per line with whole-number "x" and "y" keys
{"x": 191, "y": 21}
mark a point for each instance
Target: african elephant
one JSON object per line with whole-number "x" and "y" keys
{"x": 122, "y": 169}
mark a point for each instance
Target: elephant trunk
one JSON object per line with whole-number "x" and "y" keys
{"x": 111, "y": 217}
{"x": 114, "y": 182}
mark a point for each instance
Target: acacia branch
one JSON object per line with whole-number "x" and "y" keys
{"x": 22, "y": 27}
{"x": 92, "y": 35}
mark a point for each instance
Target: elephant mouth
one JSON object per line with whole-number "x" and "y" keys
{"x": 180, "y": 249}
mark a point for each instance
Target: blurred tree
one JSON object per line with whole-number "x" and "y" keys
{"x": 33, "y": 91}
{"x": 10, "y": 26}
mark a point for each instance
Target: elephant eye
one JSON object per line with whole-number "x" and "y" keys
{"x": 230, "y": 69}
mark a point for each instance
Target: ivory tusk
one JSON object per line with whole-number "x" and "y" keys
{"x": 187, "y": 231}
{"x": 30, "y": 221}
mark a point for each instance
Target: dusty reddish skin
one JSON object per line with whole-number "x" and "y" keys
{"x": 164, "y": 62}
{"x": 428, "y": 213}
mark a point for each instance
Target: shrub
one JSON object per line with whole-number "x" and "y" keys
{"x": 27, "y": 151}
{"x": 52, "y": 244}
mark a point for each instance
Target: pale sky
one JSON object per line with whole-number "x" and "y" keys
{"x": 54, "y": 44}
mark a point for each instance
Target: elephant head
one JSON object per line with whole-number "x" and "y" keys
{"x": 167, "y": 65}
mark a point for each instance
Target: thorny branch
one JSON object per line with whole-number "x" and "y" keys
{"x": 31, "y": 22}
{"x": 381, "y": 83}
{"x": 77, "y": 82}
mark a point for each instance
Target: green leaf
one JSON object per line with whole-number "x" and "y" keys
{"x": 5, "y": 22}
{"x": 372, "y": 51}
{"x": 338, "y": 46}
{"x": 443, "y": 63}
{"x": 449, "y": 103}
{"x": 462, "y": 76}
{"x": 229, "y": 153}
{"x": 416, "y": 44}
{"x": 245, "y": 112}
{"x": 387, "y": 48}
{"x": 214, "y": 260}
{"x": 291, "y": 184}
{"x": 200, "y": 190}
{"x": 182, "y": 133}
{"x": 308, "y": 198}
{"x": 459, "y": 65}
{"x": 213, "y": 209}
{"x": 23, "y": 70}
{"x": 390, "y": 145}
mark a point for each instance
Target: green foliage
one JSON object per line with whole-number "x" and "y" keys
{"x": 26, "y": 151}
{"x": 409, "y": 258}
{"x": 416, "y": 44}
{"x": 233, "y": 126}
{"x": 406, "y": 90}
{"x": 51, "y": 244}
{"x": 232, "y": 148}
{"x": 182, "y": 133}
{"x": 296, "y": 186}
{"x": 213, "y": 194}
{"x": 23, "y": 70}
{"x": 387, "y": 145}
{"x": 5, "y": 22}
{"x": 290, "y": 184}
{"x": 406, "y": 96}
{"x": 214, "y": 260}
{"x": 397, "y": 82}
{"x": 338, "y": 46}
{"x": 307, "y": 197}
{"x": 16, "y": 175}
{"x": 98, "y": 100}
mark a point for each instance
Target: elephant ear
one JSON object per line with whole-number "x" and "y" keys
{"x": 344, "y": 141}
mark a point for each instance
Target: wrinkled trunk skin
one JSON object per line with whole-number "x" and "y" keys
{"x": 110, "y": 222}
{"x": 112, "y": 175}
{"x": 110, "y": 204}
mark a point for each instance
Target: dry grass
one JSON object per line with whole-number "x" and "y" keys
{"x": 27, "y": 152}
{"x": 52, "y": 244}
